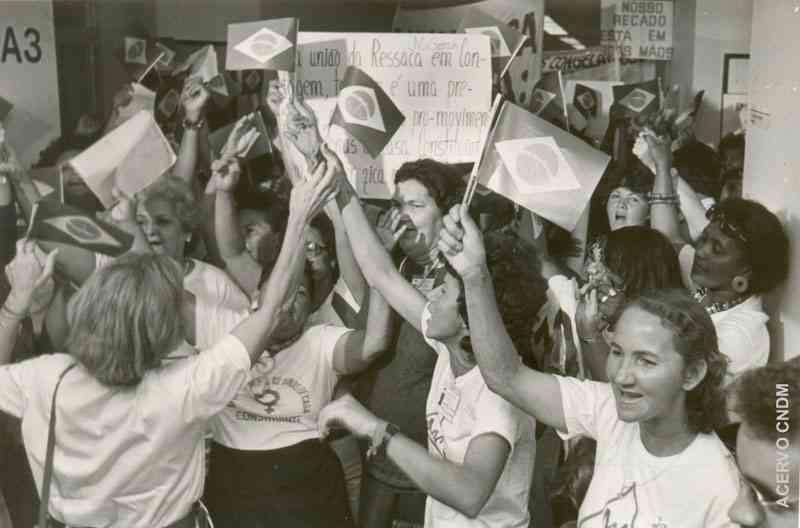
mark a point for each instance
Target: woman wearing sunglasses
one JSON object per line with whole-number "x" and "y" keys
{"x": 741, "y": 254}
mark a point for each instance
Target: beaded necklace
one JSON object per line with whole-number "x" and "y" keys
{"x": 717, "y": 307}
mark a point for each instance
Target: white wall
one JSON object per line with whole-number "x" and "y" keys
{"x": 772, "y": 163}
{"x": 720, "y": 27}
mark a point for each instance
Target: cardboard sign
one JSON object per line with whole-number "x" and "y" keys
{"x": 526, "y": 16}
{"x": 29, "y": 79}
{"x": 441, "y": 83}
{"x": 638, "y": 29}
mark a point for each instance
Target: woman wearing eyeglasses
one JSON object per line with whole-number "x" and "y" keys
{"x": 741, "y": 254}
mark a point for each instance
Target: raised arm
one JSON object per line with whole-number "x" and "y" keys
{"x": 535, "y": 392}
{"x": 356, "y": 350}
{"x": 348, "y": 266}
{"x": 370, "y": 253}
{"x": 663, "y": 211}
{"x": 692, "y": 208}
{"x": 306, "y": 200}
{"x": 194, "y": 99}
{"x": 25, "y": 274}
{"x": 238, "y": 262}
{"x": 465, "y": 487}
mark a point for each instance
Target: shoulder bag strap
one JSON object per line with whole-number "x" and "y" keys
{"x": 48, "y": 459}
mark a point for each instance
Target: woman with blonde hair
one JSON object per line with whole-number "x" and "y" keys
{"x": 128, "y": 424}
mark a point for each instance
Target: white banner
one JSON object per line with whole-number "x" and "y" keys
{"x": 527, "y": 16}
{"x": 440, "y": 82}
{"x": 28, "y": 76}
{"x": 638, "y": 29}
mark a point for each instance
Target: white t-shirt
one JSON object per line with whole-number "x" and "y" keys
{"x": 630, "y": 486}
{"x": 280, "y": 403}
{"x": 741, "y": 331}
{"x": 460, "y": 409}
{"x": 131, "y": 458}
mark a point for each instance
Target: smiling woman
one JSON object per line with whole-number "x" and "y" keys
{"x": 653, "y": 420}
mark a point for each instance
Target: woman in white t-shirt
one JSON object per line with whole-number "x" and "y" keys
{"x": 478, "y": 463}
{"x": 741, "y": 254}
{"x": 658, "y": 461}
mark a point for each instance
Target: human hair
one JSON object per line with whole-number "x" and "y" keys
{"x": 765, "y": 245}
{"x": 126, "y": 318}
{"x": 519, "y": 288}
{"x": 440, "y": 179}
{"x": 731, "y": 141}
{"x": 635, "y": 177}
{"x": 643, "y": 258}
{"x": 323, "y": 224}
{"x": 695, "y": 339}
{"x": 757, "y": 393}
{"x": 275, "y": 211}
{"x": 177, "y": 193}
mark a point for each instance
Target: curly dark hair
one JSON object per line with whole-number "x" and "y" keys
{"x": 519, "y": 288}
{"x": 440, "y": 179}
{"x": 766, "y": 245}
{"x": 757, "y": 393}
{"x": 696, "y": 340}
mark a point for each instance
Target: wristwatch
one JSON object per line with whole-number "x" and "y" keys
{"x": 380, "y": 439}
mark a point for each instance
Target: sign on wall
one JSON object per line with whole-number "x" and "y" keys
{"x": 28, "y": 76}
{"x": 527, "y": 16}
{"x": 441, "y": 83}
{"x": 638, "y": 29}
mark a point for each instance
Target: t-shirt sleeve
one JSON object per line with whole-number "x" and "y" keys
{"x": 325, "y": 339}
{"x": 588, "y": 407}
{"x": 497, "y": 416}
{"x": 15, "y": 386}
{"x": 745, "y": 343}
{"x": 216, "y": 375}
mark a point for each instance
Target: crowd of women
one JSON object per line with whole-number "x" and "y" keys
{"x": 294, "y": 359}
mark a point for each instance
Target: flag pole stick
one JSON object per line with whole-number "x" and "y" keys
{"x": 152, "y": 65}
{"x": 563, "y": 98}
{"x": 472, "y": 183}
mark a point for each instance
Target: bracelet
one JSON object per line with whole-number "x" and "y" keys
{"x": 197, "y": 125}
{"x": 380, "y": 440}
{"x": 587, "y": 339}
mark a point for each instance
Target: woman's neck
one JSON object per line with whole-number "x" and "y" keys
{"x": 666, "y": 437}
{"x": 720, "y": 296}
{"x": 461, "y": 361}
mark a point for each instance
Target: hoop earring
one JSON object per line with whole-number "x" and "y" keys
{"x": 740, "y": 284}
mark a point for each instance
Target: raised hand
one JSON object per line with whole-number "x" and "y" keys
{"x": 309, "y": 196}
{"x": 225, "y": 173}
{"x": 599, "y": 303}
{"x": 298, "y": 125}
{"x": 27, "y": 275}
{"x": 461, "y": 242}
{"x": 659, "y": 149}
{"x": 241, "y": 139}
{"x": 345, "y": 190}
{"x": 194, "y": 98}
{"x": 390, "y": 228}
{"x": 348, "y": 413}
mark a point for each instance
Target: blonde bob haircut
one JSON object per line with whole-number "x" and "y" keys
{"x": 126, "y": 318}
